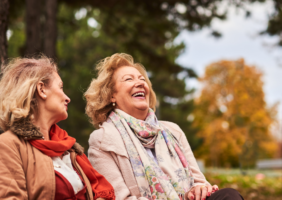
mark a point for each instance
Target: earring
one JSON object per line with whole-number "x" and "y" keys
{"x": 114, "y": 104}
{"x": 44, "y": 96}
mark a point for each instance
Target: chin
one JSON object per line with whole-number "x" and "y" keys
{"x": 66, "y": 116}
{"x": 63, "y": 117}
{"x": 142, "y": 107}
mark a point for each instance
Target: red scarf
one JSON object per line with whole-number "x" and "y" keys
{"x": 60, "y": 142}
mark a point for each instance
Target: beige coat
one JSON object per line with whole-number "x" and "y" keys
{"x": 108, "y": 155}
{"x": 27, "y": 173}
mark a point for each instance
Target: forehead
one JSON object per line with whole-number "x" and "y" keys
{"x": 56, "y": 77}
{"x": 126, "y": 70}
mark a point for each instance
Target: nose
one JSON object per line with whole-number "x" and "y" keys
{"x": 67, "y": 100}
{"x": 139, "y": 83}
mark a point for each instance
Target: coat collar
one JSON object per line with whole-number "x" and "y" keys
{"x": 25, "y": 129}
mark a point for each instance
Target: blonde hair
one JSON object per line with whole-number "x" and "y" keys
{"x": 99, "y": 93}
{"x": 18, "y": 86}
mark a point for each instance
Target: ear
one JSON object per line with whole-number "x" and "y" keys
{"x": 41, "y": 90}
{"x": 113, "y": 100}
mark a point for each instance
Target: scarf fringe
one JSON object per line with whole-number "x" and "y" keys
{"x": 106, "y": 194}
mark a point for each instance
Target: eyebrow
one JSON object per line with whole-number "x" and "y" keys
{"x": 131, "y": 75}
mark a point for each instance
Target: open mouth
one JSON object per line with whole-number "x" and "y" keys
{"x": 139, "y": 94}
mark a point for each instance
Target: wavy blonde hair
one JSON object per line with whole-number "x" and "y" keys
{"x": 101, "y": 89}
{"x": 18, "y": 87}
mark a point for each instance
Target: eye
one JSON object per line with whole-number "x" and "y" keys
{"x": 128, "y": 79}
{"x": 143, "y": 79}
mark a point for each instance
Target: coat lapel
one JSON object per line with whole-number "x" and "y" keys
{"x": 112, "y": 140}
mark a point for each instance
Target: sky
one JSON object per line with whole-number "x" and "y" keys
{"x": 240, "y": 39}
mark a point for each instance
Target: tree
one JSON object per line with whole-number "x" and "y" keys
{"x": 41, "y": 27}
{"x": 4, "y": 12}
{"x": 96, "y": 42}
{"x": 50, "y": 37}
{"x": 233, "y": 117}
{"x": 274, "y": 27}
{"x": 88, "y": 31}
{"x": 33, "y": 27}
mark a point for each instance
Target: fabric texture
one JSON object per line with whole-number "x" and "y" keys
{"x": 226, "y": 194}
{"x": 60, "y": 142}
{"x": 65, "y": 168}
{"x": 64, "y": 190}
{"x": 26, "y": 173}
{"x": 152, "y": 181}
{"x": 109, "y": 156}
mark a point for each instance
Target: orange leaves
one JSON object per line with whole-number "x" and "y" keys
{"x": 231, "y": 112}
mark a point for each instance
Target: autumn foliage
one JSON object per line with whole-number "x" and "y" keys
{"x": 233, "y": 117}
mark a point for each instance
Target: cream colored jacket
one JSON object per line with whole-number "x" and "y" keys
{"x": 108, "y": 155}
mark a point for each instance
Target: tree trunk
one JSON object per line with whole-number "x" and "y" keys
{"x": 33, "y": 28}
{"x": 4, "y": 12}
{"x": 50, "y": 28}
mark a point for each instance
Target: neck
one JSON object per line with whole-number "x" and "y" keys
{"x": 138, "y": 114}
{"x": 44, "y": 123}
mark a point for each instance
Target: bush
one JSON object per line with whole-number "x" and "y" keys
{"x": 259, "y": 186}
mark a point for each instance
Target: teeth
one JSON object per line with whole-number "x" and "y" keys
{"x": 139, "y": 93}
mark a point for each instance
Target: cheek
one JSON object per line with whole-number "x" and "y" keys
{"x": 147, "y": 90}
{"x": 123, "y": 90}
{"x": 58, "y": 98}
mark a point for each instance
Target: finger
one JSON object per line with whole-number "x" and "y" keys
{"x": 204, "y": 193}
{"x": 209, "y": 190}
{"x": 198, "y": 193}
{"x": 191, "y": 196}
{"x": 214, "y": 188}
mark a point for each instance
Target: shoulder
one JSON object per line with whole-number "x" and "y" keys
{"x": 9, "y": 137}
{"x": 173, "y": 127}
{"x": 107, "y": 138}
{"x": 98, "y": 134}
{"x": 10, "y": 142}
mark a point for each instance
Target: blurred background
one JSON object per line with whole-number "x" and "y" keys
{"x": 215, "y": 66}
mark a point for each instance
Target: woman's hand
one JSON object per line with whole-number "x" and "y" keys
{"x": 200, "y": 192}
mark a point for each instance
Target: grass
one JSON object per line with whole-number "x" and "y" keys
{"x": 259, "y": 185}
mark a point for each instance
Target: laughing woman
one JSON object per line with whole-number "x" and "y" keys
{"x": 142, "y": 158}
{"x": 38, "y": 160}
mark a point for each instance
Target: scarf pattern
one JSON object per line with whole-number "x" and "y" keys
{"x": 153, "y": 183}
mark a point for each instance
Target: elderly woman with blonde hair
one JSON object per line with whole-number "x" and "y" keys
{"x": 38, "y": 159}
{"x": 142, "y": 158}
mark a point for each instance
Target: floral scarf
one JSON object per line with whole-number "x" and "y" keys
{"x": 171, "y": 178}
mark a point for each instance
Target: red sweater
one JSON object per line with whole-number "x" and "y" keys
{"x": 64, "y": 190}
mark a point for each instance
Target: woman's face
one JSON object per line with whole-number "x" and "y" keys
{"x": 56, "y": 101}
{"x": 131, "y": 91}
